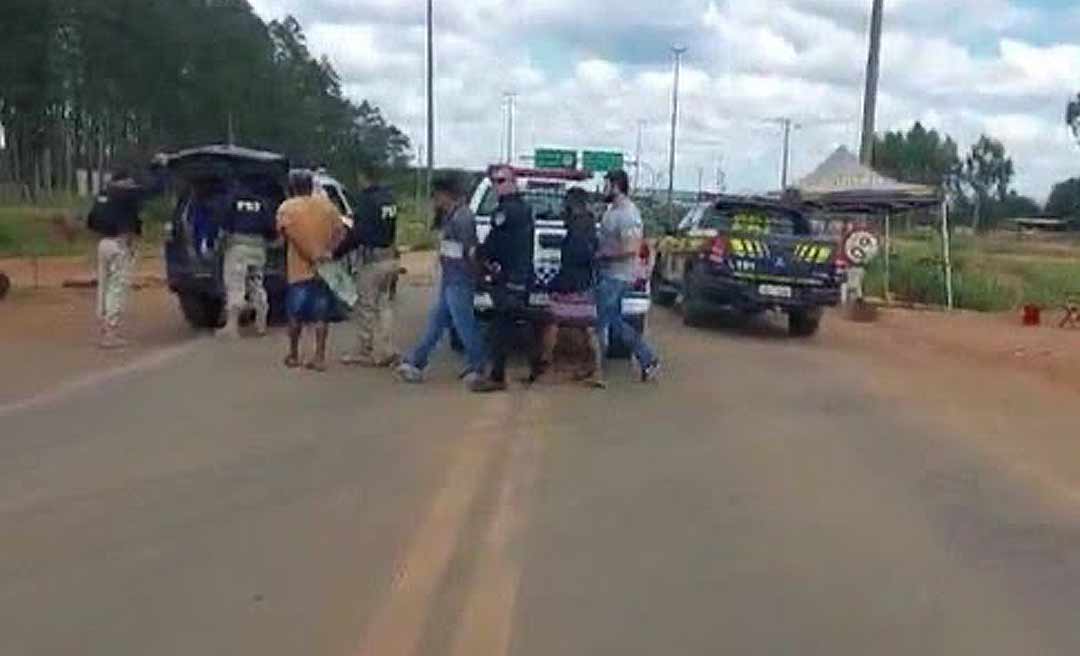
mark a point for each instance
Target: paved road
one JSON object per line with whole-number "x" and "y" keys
{"x": 762, "y": 500}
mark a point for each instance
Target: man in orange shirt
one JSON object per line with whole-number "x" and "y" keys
{"x": 312, "y": 228}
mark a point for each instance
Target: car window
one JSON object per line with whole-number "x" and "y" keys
{"x": 690, "y": 219}
{"x": 335, "y": 198}
{"x": 545, "y": 202}
{"x": 751, "y": 220}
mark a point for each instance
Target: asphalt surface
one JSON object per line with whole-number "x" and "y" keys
{"x": 763, "y": 499}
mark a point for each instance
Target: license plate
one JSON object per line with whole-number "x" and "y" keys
{"x": 538, "y": 299}
{"x": 775, "y": 291}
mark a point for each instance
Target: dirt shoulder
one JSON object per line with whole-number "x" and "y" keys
{"x": 997, "y": 341}
{"x": 48, "y": 333}
{"x": 1013, "y": 392}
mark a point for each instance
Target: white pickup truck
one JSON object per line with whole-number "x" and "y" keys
{"x": 544, "y": 191}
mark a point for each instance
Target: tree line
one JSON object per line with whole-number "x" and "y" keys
{"x": 86, "y": 84}
{"x": 980, "y": 180}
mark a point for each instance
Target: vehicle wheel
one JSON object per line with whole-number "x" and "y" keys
{"x": 803, "y": 323}
{"x": 620, "y": 350}
{"x": 660, "y": 294}
{"x": 692, "y": 309}
{"x": 202, "y": 311}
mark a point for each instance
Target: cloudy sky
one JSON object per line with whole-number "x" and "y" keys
{"x": 586, "y": 74}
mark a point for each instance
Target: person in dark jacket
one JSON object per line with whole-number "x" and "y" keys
{"x": 249, "y": 226}
{"x": 507, "y": 256}
{"x": 373, "y": 238}
{"x": 115, "y": 218}
{"x": 573, "y": 300}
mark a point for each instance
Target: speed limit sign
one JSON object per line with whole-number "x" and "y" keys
{"x": 861, "y": 246}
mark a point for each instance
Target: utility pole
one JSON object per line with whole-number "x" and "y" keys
{"x": 430, "y": 97}
{"x": 700, "y": 181}
{"x": 637, "y": 154}
{"x": 873, "y": 69}
{"x": 785, "y": 153}
{"x": 678, "y": 51}
{"x": 511, "y": 100}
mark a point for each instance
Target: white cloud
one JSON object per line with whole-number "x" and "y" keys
{"x": 586, "y": 73}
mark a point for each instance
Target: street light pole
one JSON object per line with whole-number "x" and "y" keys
{"x": 430, "y": 97}
{"x": 678, "y": 52}
{"x": 873, "y": 68}
{"x": 637, "y": 154}
{"x": 511, "y": 99}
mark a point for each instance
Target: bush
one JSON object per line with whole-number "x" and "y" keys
{"x": 983, "y": 280}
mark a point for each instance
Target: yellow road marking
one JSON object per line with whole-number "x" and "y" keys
{"x": 488, "y": 620}
{"x": 396, "y": 629}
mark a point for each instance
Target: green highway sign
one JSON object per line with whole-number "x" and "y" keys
{"x": 554, "y": 158}
{"x": 601, "y": 161}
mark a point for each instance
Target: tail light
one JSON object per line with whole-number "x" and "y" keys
{"x": 840, "y": 260}
{"x": 718, "y": 249}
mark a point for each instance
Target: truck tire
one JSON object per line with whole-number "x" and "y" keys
{"x": 617, "y": 348}
{"x": 661, "y": 294}
{"x": 804, "y": 323}
{"x": 202, "y": 311}
{"x": 692, "y": 309}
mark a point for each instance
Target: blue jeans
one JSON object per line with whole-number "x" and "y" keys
{"x": 610, "y": 322}
{"x": 453, "y": 308}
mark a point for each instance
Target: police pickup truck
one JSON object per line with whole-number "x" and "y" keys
{"x": 544, "y": 191}
{"x": 749, "y": 255}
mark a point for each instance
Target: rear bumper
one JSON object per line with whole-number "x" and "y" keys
{"x": 205, "y": 278}
{"x": 635, "y": 304}
{"x": 724, "y": 292}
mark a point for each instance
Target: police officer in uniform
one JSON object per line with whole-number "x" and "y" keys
{"x": 373, "y": 238}
{"x": 507, "y": 255}
{"x": 115, "y": 218}
{"x": 249, "y": 226}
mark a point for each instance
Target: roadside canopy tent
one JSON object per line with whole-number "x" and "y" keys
{"x": 843, "y": 185}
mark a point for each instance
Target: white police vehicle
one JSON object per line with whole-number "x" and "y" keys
{"x": 544, "y": 191}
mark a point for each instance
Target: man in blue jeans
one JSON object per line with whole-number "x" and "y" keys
{"x": 621, "y": 234}
{"x": 454, "y": 304}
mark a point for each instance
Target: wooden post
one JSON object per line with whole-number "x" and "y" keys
{"x": 888, "y": 256}
{"x": 946, "y": 254}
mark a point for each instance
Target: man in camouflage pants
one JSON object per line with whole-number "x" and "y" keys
{"x": 249, "y": 225}
{"x": 115, "y": 218}
{"x": 372, "y": 237}
{"x": 115, "y": 261}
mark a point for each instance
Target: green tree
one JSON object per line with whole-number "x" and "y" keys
{"x": 988, "y": 171}
{"x": 1064, "y": 199}
{"x": 1013, "y": 206}
{"x": 84, "y": 83}
{"x": 1072, "y": 116}
{"x": 919, "y": 156}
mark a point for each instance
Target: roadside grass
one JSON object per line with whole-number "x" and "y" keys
{"x": 414, "y": 226}
{"x": 990, "y": 274}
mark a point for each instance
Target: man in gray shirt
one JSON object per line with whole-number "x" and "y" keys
{"x": 621, "y": 234}
{"x": 453, "y": 307}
